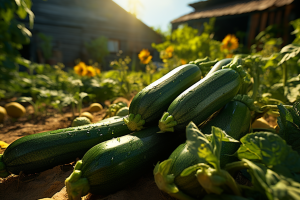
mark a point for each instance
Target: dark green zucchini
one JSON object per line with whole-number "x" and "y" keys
{"x": 111, "y": 165}
{"x": 150, "y": 103}
{"x": 167, "y": 175}
{"x": 219, "y": 65}
{"x": 235, "y": 120}
{"x": 42, "y": 151}
{"x": 201, "y": 100}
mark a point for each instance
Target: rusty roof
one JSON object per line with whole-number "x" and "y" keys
{"x": 232, "y": 8}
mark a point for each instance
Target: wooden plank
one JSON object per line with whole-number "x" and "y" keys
{"x": 263, "y": 21}
{"x": 254, "y": 21}
{"x": 278, "y": 17}
{"x": 271, "y": 18}
{"x": 286, "y": 24}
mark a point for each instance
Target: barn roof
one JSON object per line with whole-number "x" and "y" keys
{"x": 230, "y": 8}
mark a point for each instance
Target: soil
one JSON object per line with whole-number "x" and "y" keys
{"x": 50, "y": 184}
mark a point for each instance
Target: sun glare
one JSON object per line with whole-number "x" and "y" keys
{"x": 135, "y": 7}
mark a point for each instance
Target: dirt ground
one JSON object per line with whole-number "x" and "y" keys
{"x": 50, "y": 184}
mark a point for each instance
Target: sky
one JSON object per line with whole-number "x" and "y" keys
{"x": 160, "y": 13}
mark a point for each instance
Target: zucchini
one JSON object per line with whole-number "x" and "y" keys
{"x": 235, "y": 120}
{"x": 219, "y": 65}
{"x": 38, "y": 152}
{"x": 202, "y": 99}
{"x": 111, "y": 165}
{"x": 167, "y": 175}
{"x": 150, "y": 103}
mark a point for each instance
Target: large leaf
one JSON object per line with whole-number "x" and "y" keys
{"x": 275, "y": 186}
{"x": 207, "y": 147}
{"x": 289, "y": 123}
{"x": 269, "y": 149}
{"x": 289, "y": 51}
{"x": 199, "y": 145}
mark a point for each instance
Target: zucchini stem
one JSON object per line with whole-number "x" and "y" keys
{"x": 166, "y": 123}
{"x": 77, "y": 186}
{"x": 165, "y": 181}
{"x": 134, "y": 122}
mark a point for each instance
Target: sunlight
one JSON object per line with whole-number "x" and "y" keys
{"x": 134, "y": 7}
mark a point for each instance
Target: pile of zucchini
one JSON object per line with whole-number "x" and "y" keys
{"x": 116, "y": 151}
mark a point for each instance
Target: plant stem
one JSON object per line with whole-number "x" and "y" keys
{"x": 284, "y": 74}
{"x": 73, "y": 109}
{"x": 231, "y": 168}
{"x": 256, "y": 82}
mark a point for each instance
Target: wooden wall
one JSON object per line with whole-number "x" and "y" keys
{"x": 71, "y": 23}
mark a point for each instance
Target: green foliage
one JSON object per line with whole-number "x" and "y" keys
{"x": 189, "y": 45}
{"x": 296, "y": 32}
{"x": 207, "y": 147}
{"x": 289, "y": 122}
{"x": 272, "y": 184}
{"x": 270, "y": 150}
{"x": 265, "y": 42}
{"x": 13, "y": 34}
{"x": 97, "y": 49}
{"x": 45, "y": 45}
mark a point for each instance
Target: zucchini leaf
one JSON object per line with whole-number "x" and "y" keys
{"x": 207, "y": 147}
{"x": 289, "y": 51}
{"x": 273, "y": 185}
{"x": 289, "y": 122}
{"x": 199, "y": 144}
{"x": 271, "y": 150}
{"x": 212, "y": 179}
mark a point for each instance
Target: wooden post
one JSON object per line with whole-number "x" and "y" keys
{"x": 286, "y": 24}
{"x": 271, "y": 18}
{"x": 263, "y": 21}
{"x": 254, "y": 21}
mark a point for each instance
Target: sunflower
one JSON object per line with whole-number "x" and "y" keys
{"x": 230, "y": 42}
{"x": 80, "y": 69}
{"x": 97, "y": 71}
{"x": 166, "y": 54}
{"x": 145, "y": 56}
{"x": 169, "y": 51}
{"x": 91, "y": 72}
{"x": 183, "y": 62}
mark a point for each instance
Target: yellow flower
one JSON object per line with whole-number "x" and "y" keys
{"x": 145, "y": 56}
{"x": 166, "y": 54}
{"x": 229, "y": 55}
{"x": 230, "y": 42}
{"x": 98, "y": 71}
{"x": 170, "y": 49}
{"x": 80, "y": 69}
{"x": 183, "y": 62}
{"x": 91, "y": 72}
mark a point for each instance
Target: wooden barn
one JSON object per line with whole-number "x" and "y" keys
{"x": 67, "y": 25}
{"x": 246, "y": 16}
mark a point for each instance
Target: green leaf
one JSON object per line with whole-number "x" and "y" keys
{"x": 199, "y": 145}
{"x": 24, "y": 99}
{"x": 225, "y": 137}
{"x": 273, "y": 185}
{"x": 206, "y": 147}
{"x": 269, "y": 149}
{"x": 289, "y": 122}
{"x": 83, "y": 94}
{"x": 217, "y": 141}
{"x": 289, "y": 51}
